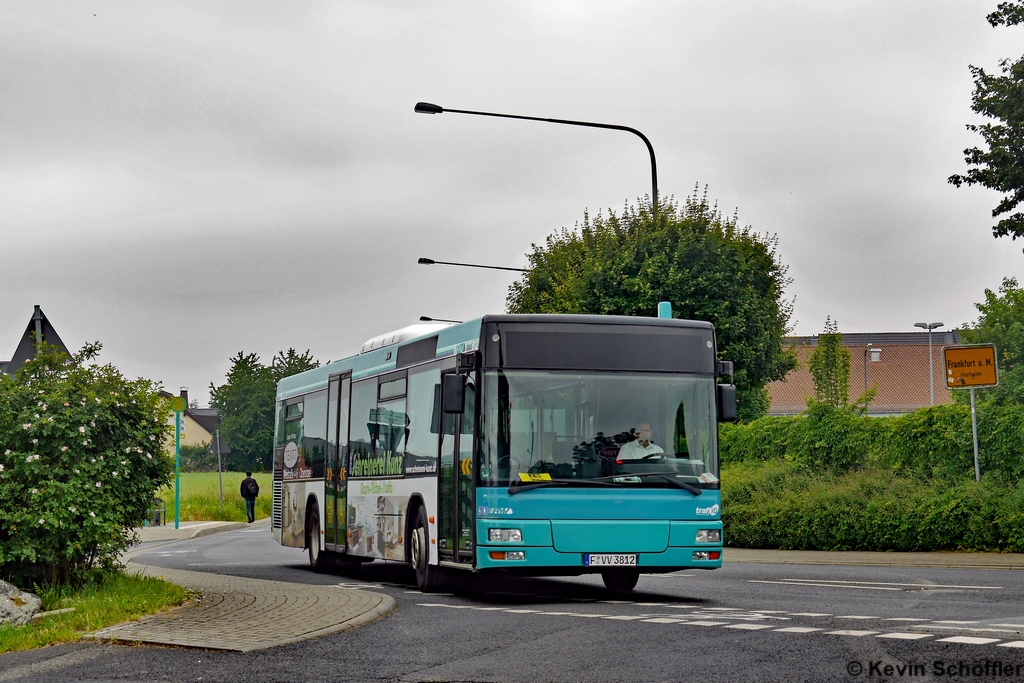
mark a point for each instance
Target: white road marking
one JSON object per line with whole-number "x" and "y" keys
{"x": 1013, "y": 643}
{"x": 522, "y": 611}
{"x": 905, "y": 636}
{"x": 749, "y": 627}
{"x": 769, "y": 611}
{"x": 809, "y": 614}
{"x": 651, "y": 604}
{"x": 615, "y": 602}
{"x": 847, "y": 632}
{"x": 664, "y": 620}
{"x": 706, "y": 623}
{"x": 856, "y": 616}
{"x": 905, "y": 619}
{"x": 890, "y": 583}
{"x": 824, "y": 585}
{"x": 969, "y": 628}
{"x": 589, "y": 616}
{"x": 723, "y": 609}
{"x": 625, "y": 617}
{"x": 968, "y": 640}
{"x": 1010, "y": 625}
{"x": 797, "y": 629}
{"x": 951, "y": 621}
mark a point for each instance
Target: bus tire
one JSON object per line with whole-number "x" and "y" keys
{"x": 317, "y": 558}
{"x": 429, "y": 578}
{"x": 620, "y": 580}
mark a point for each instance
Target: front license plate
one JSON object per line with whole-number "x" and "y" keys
{"x": 608, "y": 560}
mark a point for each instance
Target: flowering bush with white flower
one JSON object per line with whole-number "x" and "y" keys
{"x": 64, "y": 508}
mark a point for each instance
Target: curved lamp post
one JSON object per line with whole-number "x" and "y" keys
{"x": 430, "y": 262}
{"x": 428, "y": 108}
{"x": 931, "y": 371}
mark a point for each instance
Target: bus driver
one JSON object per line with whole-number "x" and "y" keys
{"x": 641, "y": 447}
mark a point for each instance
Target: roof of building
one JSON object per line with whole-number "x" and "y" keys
{"x": 940, "y": 338}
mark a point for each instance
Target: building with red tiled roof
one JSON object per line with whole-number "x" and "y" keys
{"x": 895, "y": 363}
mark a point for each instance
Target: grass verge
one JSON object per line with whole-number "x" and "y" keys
{"x": 113, "y": 599}
{"x": 200, "y": 497}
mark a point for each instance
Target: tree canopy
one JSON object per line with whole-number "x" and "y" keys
{"x": 829, "y": 366}
{"x": 246, "y": 405}
{"x": 1001, "y": 323}
{"x": 707, "y": 266}
{"x": 1001, "y": 99}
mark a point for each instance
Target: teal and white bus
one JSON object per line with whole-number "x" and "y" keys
{"x": 545, "y": 445}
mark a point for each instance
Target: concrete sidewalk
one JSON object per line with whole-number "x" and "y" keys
{"x": 187, "y": 530}
{"x": 234, "y": 613}
{"x": 877, "y": 559}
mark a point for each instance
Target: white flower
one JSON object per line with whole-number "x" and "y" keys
{"x": 124, "y": 462}
{"x": 115, "y": 473}
{"x": 93, "y": 424}
{"x": 28, "y": 459}
{"x": 36, "y": 416}
{"x": 35, "y": 491}
{"x": 1, "y": 468}
{"x": 36, "y": 456}
{"x": 7, "y": 452}
{"x": 44, "y": 406}
{"x": 86, "y": 443}
{"x": 63, "y": 448}
{"x": 35, "y": 440}
{"x": 128, "y": 450}
{"x": 98, "y": 484}
{"x": 149, "y": 456}
{"x": 94, "y": 459}
{"x": 71, "y": 509}
{"x": 26, "y": 426}
{"x": 97, "y": 399}
{"x": 92, "y": 514}
{"x": 66, "y": 404}
{"x": 76, "y": 472}
{"x": 81, "y": 429}
{"x": 42, "y": 521}
{"x": 152, "y": 438}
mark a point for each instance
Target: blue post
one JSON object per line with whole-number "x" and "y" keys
{"x": 664, "y": 309}
{"x": 177, "y": 465}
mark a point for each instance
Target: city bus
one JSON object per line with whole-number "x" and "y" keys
{"x": 542, "y": 445}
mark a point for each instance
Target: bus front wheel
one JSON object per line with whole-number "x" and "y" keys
{"x": 620, "y": 580}
{"x": 428, "y": 578}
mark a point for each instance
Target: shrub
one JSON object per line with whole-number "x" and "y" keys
{"x": 80, "y": 461}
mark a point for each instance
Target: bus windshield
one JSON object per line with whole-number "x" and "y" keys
{"x": 621, "y": 427}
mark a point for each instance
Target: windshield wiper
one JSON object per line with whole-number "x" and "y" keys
{"x": 516, "y": 487}
{"x": 665, "y": 476}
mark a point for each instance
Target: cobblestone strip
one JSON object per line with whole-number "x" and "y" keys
{"x": 234, "y": 613}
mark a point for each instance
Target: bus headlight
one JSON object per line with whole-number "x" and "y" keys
{"x": 705, "y": 555}
{"x": 507, "y": 555}
{"x": 709, "y": 536}
{"x": 504, "y": 535}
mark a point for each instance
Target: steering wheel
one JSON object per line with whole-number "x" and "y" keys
{"x": 506, "y": 462}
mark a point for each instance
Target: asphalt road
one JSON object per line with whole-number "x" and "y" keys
{"x": 751, "y": 622}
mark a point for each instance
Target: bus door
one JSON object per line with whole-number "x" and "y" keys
{"x": 455, "y": 484}
{"x": 336, "y": 477}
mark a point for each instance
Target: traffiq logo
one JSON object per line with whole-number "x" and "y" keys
{"x": 713, "y": 510}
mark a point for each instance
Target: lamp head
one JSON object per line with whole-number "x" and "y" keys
{"x": 428, "y": 108}
{"x": 425, "y": 261}
{"x": 923, "y": 326}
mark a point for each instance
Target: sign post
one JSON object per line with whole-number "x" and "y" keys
{"x": 971, "y": 367}
{"x": 177, "y": 405}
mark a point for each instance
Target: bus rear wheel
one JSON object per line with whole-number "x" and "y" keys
{"x": 316, "y": 558}
{"x": 428, "y": 578}
{"x": 620, "y": 580}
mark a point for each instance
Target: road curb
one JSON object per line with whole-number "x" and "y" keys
{"x": 860, "y": 558}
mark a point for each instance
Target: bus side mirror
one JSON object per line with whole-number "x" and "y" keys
{"x": 454, "y": 393}
{"x": 727, "y": 402}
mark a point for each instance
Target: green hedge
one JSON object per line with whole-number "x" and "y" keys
{"x": 782, "y": 504}
{"x": 932, "y": 442}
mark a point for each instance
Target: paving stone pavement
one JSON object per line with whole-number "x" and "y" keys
{"x": 234, "y": 613}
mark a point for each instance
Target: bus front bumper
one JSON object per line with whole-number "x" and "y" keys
{"x": 548, "y": 561}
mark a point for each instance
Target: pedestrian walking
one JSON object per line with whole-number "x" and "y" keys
{"x": 249, "y": 490}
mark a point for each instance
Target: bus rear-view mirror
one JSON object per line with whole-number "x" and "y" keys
{"x": 453, "y": 393}
{"x": 727, "y": 403}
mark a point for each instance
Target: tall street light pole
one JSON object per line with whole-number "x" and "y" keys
{"x": 428, "y": 108}
{"x": 430, "y": 262}
{"x": 931, "y": 371}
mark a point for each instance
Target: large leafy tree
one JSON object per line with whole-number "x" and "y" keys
{"x": 1000, "y": 98}
{"x": 246, "y": 404}
{"x": 1001, "y": 323}
{"x": 707, "y": 266}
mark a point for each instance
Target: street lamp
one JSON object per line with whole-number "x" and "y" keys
{"x": 430, "y": 262}
{"x": 876, "y": 357}
{"x": 931, "y": 371}
{"x": 428, "y": 108}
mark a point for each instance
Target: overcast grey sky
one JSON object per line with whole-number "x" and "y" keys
{"x": 182, "y": 181}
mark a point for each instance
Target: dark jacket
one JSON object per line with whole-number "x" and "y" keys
{"x": 249, "y": 488}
